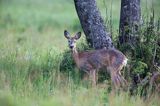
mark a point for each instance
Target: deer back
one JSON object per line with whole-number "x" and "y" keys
{"x": 101, "y": 58}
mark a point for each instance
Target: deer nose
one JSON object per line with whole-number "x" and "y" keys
{"x": 71, "y": 47}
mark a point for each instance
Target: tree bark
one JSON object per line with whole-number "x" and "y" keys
{"x": 129, "y": 21}
{"x": 92, "y": 24}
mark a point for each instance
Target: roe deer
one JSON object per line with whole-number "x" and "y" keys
{"x": 91, "y": 61}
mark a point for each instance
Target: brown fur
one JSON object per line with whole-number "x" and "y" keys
{"x": 113, "y": 60}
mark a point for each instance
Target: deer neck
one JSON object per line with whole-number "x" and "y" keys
{"x": 76, "y": 57}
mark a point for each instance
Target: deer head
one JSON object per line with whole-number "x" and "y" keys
{"x": 72, "y": 40}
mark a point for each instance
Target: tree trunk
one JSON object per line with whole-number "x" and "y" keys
{"x": 129, "y": 21}
{"x": 92, "y": 24}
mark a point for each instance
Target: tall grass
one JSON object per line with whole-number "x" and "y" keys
{"x": 32, "y": 77}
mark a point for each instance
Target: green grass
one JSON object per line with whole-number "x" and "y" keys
{"x": 31, "y": 47}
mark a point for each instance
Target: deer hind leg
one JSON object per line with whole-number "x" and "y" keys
{"x": 122, "y": 79}
{"x": 93, "y": 77}
{"x": 115, "y": 80}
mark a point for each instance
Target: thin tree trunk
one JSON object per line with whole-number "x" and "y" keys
{"x": 92, "y": 24}
{"x": 129, "y": 21}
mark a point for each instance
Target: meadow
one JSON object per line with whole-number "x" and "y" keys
{"x": 31, "y": 50}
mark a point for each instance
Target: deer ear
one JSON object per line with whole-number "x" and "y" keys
{"x": 77, "y": 36}
{"x": 66, "y": 34}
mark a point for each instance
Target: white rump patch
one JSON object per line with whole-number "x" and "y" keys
{"x": 125, "y": 61}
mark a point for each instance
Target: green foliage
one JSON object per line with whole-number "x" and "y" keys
{"x": 139, "y": 67}
{"x": 67, "y": 64}
{"x": 143, "y": 55}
